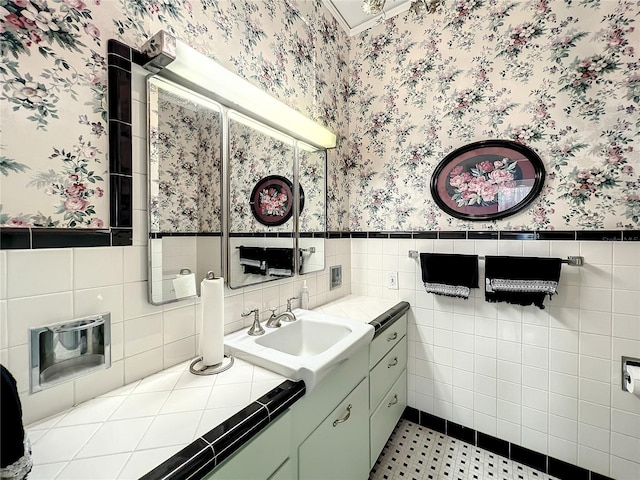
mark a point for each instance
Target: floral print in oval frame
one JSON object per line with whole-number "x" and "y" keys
{"x": 272, "y": 199}
{"x": 487, "y": 180}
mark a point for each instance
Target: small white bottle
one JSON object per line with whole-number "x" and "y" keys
{"x": 304, "y": 296}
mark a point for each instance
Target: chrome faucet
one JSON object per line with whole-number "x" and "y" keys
{"x": 288, "y": 316}
{"x": 256, "y": 328}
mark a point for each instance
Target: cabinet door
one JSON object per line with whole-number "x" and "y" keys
{"x": 339, "y": 448}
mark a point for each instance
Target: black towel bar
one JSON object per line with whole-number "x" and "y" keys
{"x": 574, "y": 261}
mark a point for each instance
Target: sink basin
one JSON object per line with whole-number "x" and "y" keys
{"x": 307, "y": 349}
{"x": 304, "y": 337}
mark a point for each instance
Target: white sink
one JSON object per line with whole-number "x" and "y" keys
{"x": 307, "y": 349}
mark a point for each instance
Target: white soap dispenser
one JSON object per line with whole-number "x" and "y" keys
{"x": 304, "y": 296}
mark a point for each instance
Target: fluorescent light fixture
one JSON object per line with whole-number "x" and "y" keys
{"x": 208, "y": 77}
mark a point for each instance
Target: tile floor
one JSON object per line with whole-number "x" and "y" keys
{"x": 414, "y": 452}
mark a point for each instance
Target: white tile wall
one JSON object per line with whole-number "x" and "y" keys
{"x": 546, "y": 379}
{"x": 40, "y": 287}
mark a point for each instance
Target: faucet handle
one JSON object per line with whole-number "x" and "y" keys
{"x": 256, "y": 328}
{"x": 289, "y": 303}
{"x": 255, "y": 311}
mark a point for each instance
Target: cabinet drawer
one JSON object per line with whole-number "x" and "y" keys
{"x": 338, "y": 449}
{"x": 386, "y": 340}
{"x": 387, "y": 371}
{"x": 386, "y": 416}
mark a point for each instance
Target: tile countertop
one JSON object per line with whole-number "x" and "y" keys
{"x": 174, "y": 424}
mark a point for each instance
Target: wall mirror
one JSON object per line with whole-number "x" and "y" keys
{"x": 262, "y": 198}
{"x": 312, "y": 175}
{"x": 185, "y": 224}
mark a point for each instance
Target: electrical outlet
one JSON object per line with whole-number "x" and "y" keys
{"x": 392, "y": 281}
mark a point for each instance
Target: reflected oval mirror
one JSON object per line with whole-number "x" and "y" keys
{"x": 184, "y": 169}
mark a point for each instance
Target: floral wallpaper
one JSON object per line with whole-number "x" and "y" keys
{"x": 312, "y": 176}
{"x": 185, "y": 161}
{"x": 560, "y": 76}
{"x": 53, "y": 140}
{"x": 255, "y": 154}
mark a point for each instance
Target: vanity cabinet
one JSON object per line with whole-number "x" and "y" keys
{"x": 265, "y": 457}
{"x": 387, "y": 384}
{"x": 337, "y": 448}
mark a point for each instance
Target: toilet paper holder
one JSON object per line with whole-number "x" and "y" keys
{"x": 628, "y": 361}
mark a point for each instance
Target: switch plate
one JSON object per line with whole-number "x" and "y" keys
{"x": 392, "y": 281}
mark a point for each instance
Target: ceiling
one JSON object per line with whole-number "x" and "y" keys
{"x": 352, "y": 18}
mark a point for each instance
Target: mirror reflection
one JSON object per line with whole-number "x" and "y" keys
{"x": 261, "y": 203}
{"x": 312, "y": 174}
{"x": 184, "y": 190}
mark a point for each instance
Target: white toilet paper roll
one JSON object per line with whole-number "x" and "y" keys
{"x": 632, "y": 382}
{"x": 211, "y": 345}
{"x": 185, "y": 285}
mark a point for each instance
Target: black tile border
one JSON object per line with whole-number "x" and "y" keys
{"x": 386, "y": 319}
{"x": 184, "y": 234}
{"x": 198, "y": 459}
{"x": 539, "y": 461}
{"x": 21, "y": 238}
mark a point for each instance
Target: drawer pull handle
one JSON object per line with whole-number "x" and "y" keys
{"x": 392, "y": 337}
{"x": 394, "y": 401}
{"x": 345, "y": 418}
{"x": 393, "y": 363}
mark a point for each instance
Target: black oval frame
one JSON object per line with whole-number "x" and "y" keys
{"x": 462, "y": 153}
{"x": 264, "y": 183}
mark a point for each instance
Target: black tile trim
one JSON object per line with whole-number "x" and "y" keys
{"x": 488, "y": 235}
{"x": 401, "y": 235}
{"x": 358, "y": 234}
{"x": 281, "y": 397}
{"x": 425, "y": 235}
{"x": 231, "y": 434}
{"x": 461, "y": 432}
{"x": 388, "y": 318}
{"x": 199, "y": 458}
{"x": 566, "y": 471}
{"x": 517, "y": 236}
{"x": 119, "y": 48}
{"x": 184, "y": 234}
{"x": 493, "y": 444}
{"x": 262, "y": 234}
{"x": 42, "y": 238}
{"x": 631, "y": 235}
{"x": 517, "y": 453}
{"x": 15, "y": 238}
{"x": 553, "y": 235}
{"x": 597, "y": 235}
{"x": 528, "y": 457}
{"x": 377, "y": 235}
{"x": 452, "y": 235}
{"x": 190, "y": 462}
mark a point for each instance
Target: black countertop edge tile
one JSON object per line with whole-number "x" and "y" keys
{"x": 377, "y": 326}
{"x": 387, "y": 318}
{"x": 461, "y": 432}
{"x": 225, "y": 446}
{"x": 529, "y": 457}
{"x": 236, "y": 425}
{"x": 493, "y": 444}
{"x": 452, "y": 235}
{"x": 184, "y": 464}
{"x": 282, "y": 396}
{"x": 566, "y": 471}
